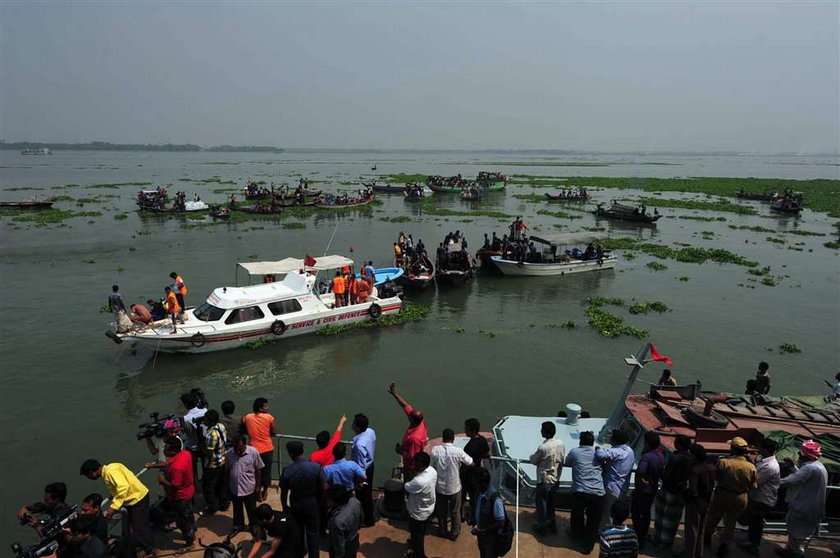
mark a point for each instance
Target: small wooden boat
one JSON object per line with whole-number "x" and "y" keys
{"x": 628, "y": 213}
{"x": 27, "y": 204}
{"x": 454, "y": 266}
{"x": 491, "y": 180}
{"x": 786, "y": 205}
{"x": 583, "y": 196}
{"x": 554, "y": 260}
{"x": 220, "y": 213}
{"x": 352, "y": 202}
{"x": 386, "y": 188}
{"x": 419, "y": 275}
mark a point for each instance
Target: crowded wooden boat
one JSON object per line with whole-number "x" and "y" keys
{"x": 638, "y": 214}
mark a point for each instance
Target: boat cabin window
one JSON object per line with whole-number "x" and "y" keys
{"x": 209, "y": 313}
{"x": 244, "y": 315}
{"x": 284, "y": 307}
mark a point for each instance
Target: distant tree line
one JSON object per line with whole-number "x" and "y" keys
{"x": 106, "y": 146}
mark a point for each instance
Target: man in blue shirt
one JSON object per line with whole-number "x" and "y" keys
{"x": 489, "y": 514}
{"x": 362, "y": 452}
{"x": 587, "y": 493}
{"x": 369, "y": 273}
{"x": 341, "y": 472}
{"x": 617, "y": 464}
{"x": 301, "y": 488}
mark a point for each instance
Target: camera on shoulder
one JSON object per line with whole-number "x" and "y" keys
{"x": 160, "y": 426}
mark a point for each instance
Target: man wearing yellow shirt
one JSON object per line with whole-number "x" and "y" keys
{"x": 127, "y": 492}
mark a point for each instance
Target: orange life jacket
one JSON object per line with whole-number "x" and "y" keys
{"x": 172, "y": 303}
{"x": 338, "y": 285}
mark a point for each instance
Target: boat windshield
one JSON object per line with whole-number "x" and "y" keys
{"x": 209, "y": 313}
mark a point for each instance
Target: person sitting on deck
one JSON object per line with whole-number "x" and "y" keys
{"x": 667, "y": 379}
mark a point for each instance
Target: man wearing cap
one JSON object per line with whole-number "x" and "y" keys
{"x": 415, "y": 437}
{"x": 762, "y": 498}
{"x": 806, "y": 489}
{"x": 735, "y": 477}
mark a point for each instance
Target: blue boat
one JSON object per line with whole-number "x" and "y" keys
{"x": 384, "y": 274}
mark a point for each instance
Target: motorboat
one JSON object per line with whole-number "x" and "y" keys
{"x": 419, "y": 274}
{"x": 624, "y": 212}
{"x": 384, "y": 274}
{"x": 27, "y": 204}
{"x": 709, "y": 419}
{"x": 289, "y": 302}
{"x": 36, "y": 151}
{"x": 553, "y": 261}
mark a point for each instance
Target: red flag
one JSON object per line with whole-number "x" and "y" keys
{"x": 654, "y": 355}
{"x": 309, "y": 261}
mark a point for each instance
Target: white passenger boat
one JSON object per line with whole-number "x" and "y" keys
{"x": 554, "y": 262}
{"x": 287, "y": 304}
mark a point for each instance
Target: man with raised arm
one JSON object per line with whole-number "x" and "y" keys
{"x": 415, "y": 437}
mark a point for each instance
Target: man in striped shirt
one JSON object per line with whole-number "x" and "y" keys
{"x": 619, "y": 540}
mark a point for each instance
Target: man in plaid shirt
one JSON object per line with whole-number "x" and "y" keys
{"x": 214, "y": 464}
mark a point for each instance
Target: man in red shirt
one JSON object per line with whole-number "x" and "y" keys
{"x": 415, "y": 437}
{"x": 177, "y": 481}
{"x": 323, "y": 454}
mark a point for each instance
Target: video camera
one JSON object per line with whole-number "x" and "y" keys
{"x": 160, "y": 426}
{"x": 51, "y": 532}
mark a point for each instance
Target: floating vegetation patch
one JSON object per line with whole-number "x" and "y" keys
{"x": 294, "y": 225}
{"x": 539, "y": 163}
{"x": 720, "y": 205}
{"x": 114, "y": 185}
{"x": 656, "y": 266}
{"x": 789, "y": 348}
{"x": 51, "y": 216}
{"x": 610, "y": 325}
{"x": 402, "y": 178}
{"x": 120, "y": 216}
{"x": 409, "y": 313}
{"x": 769, "y": 281}
{"x": 707, "y": 234}
{"x": 754, "y": 229}
{"x": 683, "y": 278}
{"x": 775, "y": 240}
{"x": 701, "y": 218}
{"x": 399, "y": 219}
{"x": 256, "y": 343}
{"x": 66, "y": 186}
{"x": 647, "y": 307}
{"x": 211, "y": 180}
{"x": 61, "y": 198}
{"x": 557, "y": 214}
{"x": 21, "y": 189}
{"x": 685, "y": 254}
{"x": 568, "y": 324}
{"x": 533, "y": 198}
{"x": 833, "y": 244}
{"x": 227, "y": 190}
{"x": 759, "y": 272}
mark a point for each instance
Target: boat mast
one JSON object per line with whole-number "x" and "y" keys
{"x": 637, "y": 362}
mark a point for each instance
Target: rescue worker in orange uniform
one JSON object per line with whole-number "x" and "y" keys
{"x": 362, "y": 291}
{"x": 180, "y": 289}
{"x": 172, "y": 307}
{"x": 339, "y": 286}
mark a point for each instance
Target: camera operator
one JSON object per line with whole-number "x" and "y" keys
{"x": 168, "y": 426}
{"x": 194, "y": 433}
{"x": 91, "y": 509}
{"x": 82, "y": 542}
{"x": 52, "y": 506}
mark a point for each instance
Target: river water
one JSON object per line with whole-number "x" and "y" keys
{"x": 488, "y": 349}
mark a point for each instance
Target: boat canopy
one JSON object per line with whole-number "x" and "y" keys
{"x": 568, "y": 239}
{"x": 289, "y": 265}
{"x": 228, "y": 298}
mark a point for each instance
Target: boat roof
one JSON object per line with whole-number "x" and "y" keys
{"x": 565, "y": 239}
{"x": 289, "y": 265}
{"x": 228, "y": 298}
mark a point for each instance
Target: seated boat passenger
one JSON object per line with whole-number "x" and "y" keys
{"x": 156, "y": 310}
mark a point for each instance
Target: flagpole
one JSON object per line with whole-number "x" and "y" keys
{"x": 620, "y": 406}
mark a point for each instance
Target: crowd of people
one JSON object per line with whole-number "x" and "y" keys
{"x": 413, "y": 190}
{"x": 484, "y": 177}
{"x": 408, "y": 254}
{"x": 172, "y": 306}
{"x": 254, "y": 191}
{"x": 364, "y": 194}
{"x": 349, "y": 289}
{"x": 446, "y": 181}
{"x": 578, "y": 193}
{"x": 327, "y": 495}
{"x": 152, "y": 199}
{"x": 452, "y": 253}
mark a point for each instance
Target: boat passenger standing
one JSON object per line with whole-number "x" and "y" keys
{"x": 648, "y": 474}
{"x": 549, "y": 461}
{"x": 415, "y": 437}
{"x": 762, "y": 380}
{"x": 806, "y": 493}
{"x": 261, "y": 431}
{"x": 587, "y": 493}
{"x": 488, "y": 514}
{"x": 447, "y": 459}
{"x": 362, "y": 290}
{"x": 669, "y": 502}
{"x": 180, "y": 290}
{"x": 617, "y": 464}
{"x": 301, "y": 485}
{"x": 243, "y": 468}
{"x": 338, "y": 287}
{"x": 369, "y": 273}
{"x": 362, "y": 452}
{"x": 735, "y": 478}
{"x": 667, "y": 379}
{"x": 116, "y": 305}
{"x": 701, "y": 485}
{"x": 421, "y": 502}
{"x": 762, "y": 499}
{"x": 127, "y": 492}
{"x": 172, "y": 308}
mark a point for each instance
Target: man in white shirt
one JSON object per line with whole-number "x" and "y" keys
{"x": 420, "y": 504}
{"x": 763, "y": 497}
{"x": 447, "y": 460}
{"x": 549, "y": 461}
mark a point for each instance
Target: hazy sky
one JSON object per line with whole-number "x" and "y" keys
{"x": 752, "y": 76}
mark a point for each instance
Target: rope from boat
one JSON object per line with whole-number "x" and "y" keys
{"x": 335, "y": 230}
